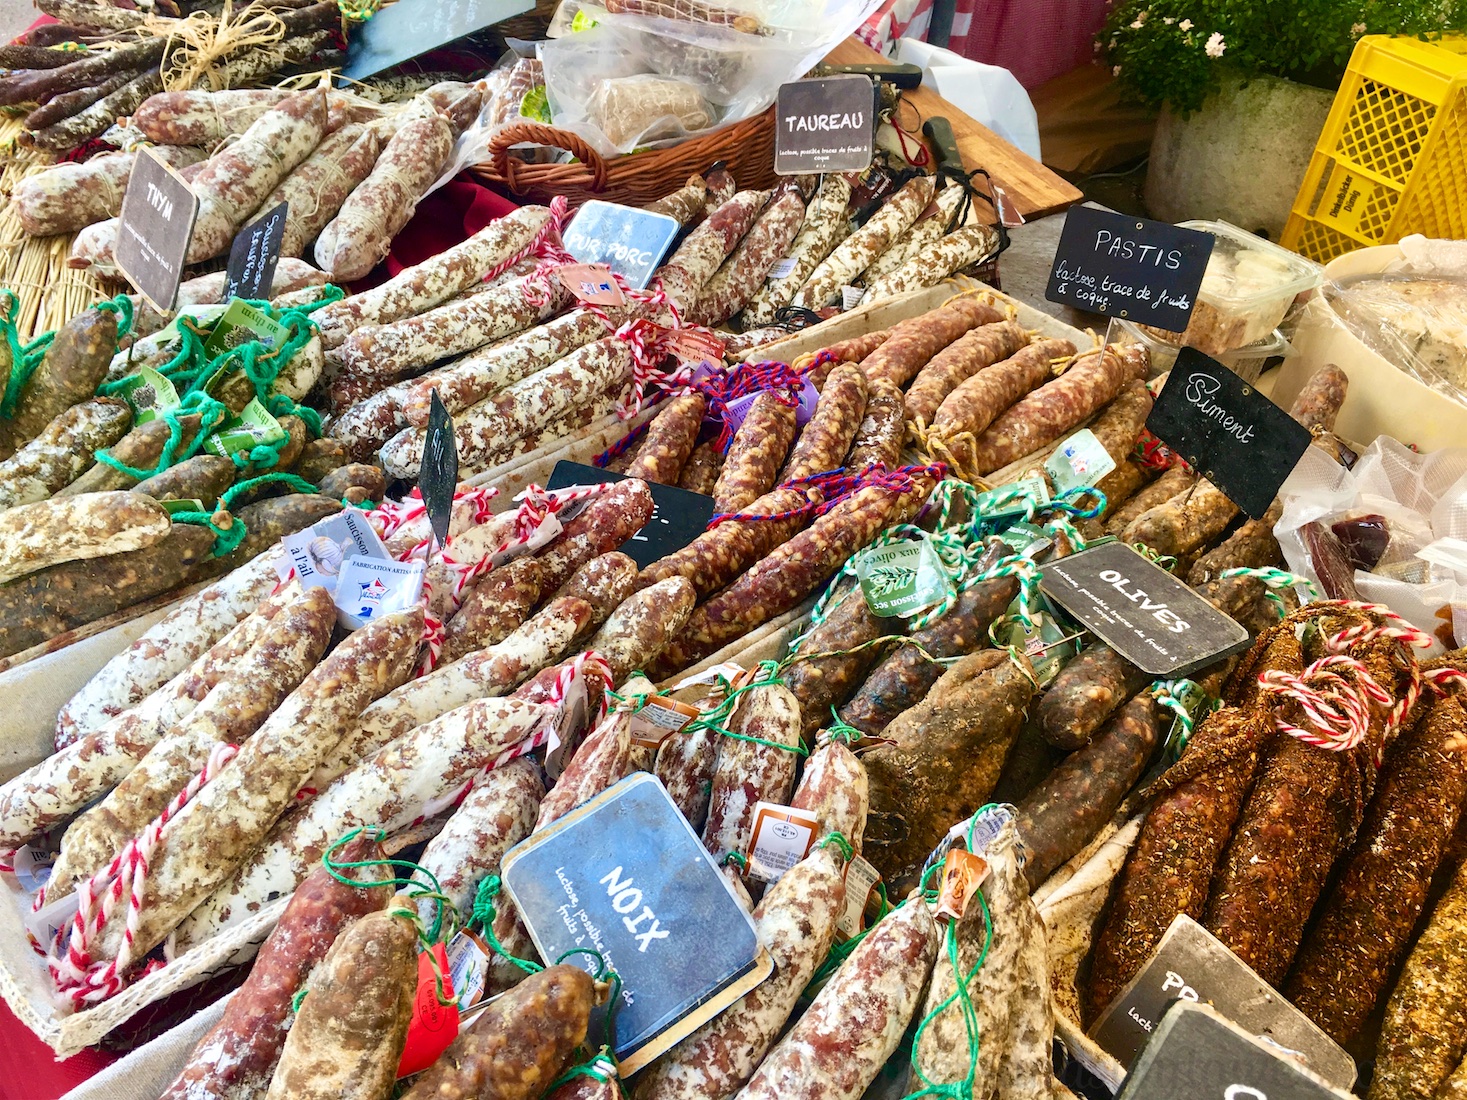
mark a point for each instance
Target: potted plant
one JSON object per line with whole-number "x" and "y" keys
{"x": 1244, "y": 87}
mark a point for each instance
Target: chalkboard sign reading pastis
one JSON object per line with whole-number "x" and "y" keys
{"x": 1140, "y": 610}
{"x": 1145, "y": 271}
{"x": 1191, "y": 964}
{"x": 154, "y": 230}
{"x": 254, "y": 255}
{"x": 631, "y": 242}
{"x": 824, "y": 125}
{"x": 402, "y": 31}
{"x": 1198, "y": 1054}
{"x": 1235, "y": 437}
{"x": 678, "y": 516}
{"x": 624, "y": 875}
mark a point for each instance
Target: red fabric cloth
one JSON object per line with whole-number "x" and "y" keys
{"x": 29, "y": 1070}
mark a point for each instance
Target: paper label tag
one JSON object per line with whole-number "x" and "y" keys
{"x": 1012, "y": 500}
{"x": 319, "y": 553}
{"x": 986, "y": 824}
{"x": 783, "y": 269}
{"x": 781, "y": 837}
{"x": 962, "y": 874}
{"x": 193, "y": 504}
{"x": 568, "y": 717}
{"x": 659, "y": 719}
{"x": 694, "y": 345}
{"x": 1078, "y": 462}
{"x": 729, "y": 670}
{"x": 1045, "y": 643}
{"x": 850, "y": 296}
{"x": 32, "y": 868}
{"x": 738, "y": 408}
{"x": 591, "y": 283}
{"x": 861, "y": 880}
{"x": 1008, "y": 213}
{"x": 368, "y": 588}
{"x": 149, "y": 393}
{"x": 433, "y": 1025}
{"x": 251, "y": 428}
{"x": 468, "y": 967}
{"x": 903, "y": 578}
{"x": 154, "y": 229}
{"x": 44, "y": 924}
{"x": 240, "y": 324}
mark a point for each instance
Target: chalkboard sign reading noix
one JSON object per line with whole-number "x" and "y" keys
{"x": 624, "y": 875}
{"x": 1198, "y": 1054}
{"x": 254, "y": 256}
{"x": 1191, "y": 964}
{"x": 678, "y": 516}
{"x": 400, "y": 32}
{"x": 154, "y": 229}
{"x": 824, "y": 125}
{"x": 1145, "y": 271}
{"x": 1234, "y": 436}
{"x": 631, "y": 242}
{"x": 1140, "y": 610}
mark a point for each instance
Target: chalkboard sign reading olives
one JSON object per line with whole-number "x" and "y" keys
{"x": 824, "y": 125}
{"x": 157, "y": 222}
{"x": 1145, "y": 271}
{"x": 1234, "y": 436}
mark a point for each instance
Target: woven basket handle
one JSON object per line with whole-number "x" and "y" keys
{"x": 515, "y": 133}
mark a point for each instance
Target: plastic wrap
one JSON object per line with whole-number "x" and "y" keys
{"x": 1421, "y": 502}
{"x": 1417, "y": 324}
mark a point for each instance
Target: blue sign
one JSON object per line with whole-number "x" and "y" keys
{"x": 625, "y": 876}
{"x": 631, "y": 242}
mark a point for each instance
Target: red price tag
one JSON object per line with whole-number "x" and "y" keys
{"x": 433, "y": 1025}
{"x": 591, "y": 283}
{"x": 694, "y": 345}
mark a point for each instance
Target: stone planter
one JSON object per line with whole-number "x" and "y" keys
{"x": 1241, "y": 157}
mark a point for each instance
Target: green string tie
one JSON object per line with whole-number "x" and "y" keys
{"x": 713, "y": 720}
{"x": 835, "y": 837}
{"x": 483, "y": 916}
{"x": 228, "y": 536}
{"x": 413, "y": 888}
{"x": 1274, "y": 579}
{"x": 211, "y": 415}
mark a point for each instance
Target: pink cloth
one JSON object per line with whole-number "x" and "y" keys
{"x": 1036, "y": 40}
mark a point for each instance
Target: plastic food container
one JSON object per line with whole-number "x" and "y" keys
{"x": 1246, "y": 362}
{"x": 1248, "y": 287}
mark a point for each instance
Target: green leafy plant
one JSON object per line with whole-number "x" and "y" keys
{"x": 1175, "y": 52}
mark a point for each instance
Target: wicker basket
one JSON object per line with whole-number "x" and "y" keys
{"x": 746, "y": 148}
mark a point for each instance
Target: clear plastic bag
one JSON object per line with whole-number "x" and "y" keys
{"x": 1422, "y": 574}
{"x": 1416, "y": 323}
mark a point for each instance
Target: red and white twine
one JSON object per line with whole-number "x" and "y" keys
{"x": 76, "y": 972}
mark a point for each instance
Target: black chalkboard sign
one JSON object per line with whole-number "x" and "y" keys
{"x": 254, "y": 256}
{"x": 1140, "y": 610}
{"x": 678, "y": 516}
{"x": 1197, "y": 1054}
{"x": 400, "y": 32}
{"x": 439, "y": 474}
{"x": 1234, "y": 436}
{"x": 154, "y": 230}
{"x": 1145, "y": 271}
{"x": 824, "y": 125}
{"x": 1192, "y": 964}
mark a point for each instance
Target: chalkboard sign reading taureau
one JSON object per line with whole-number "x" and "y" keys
{"x": 825, "y": 125}
{"x": 1145, "y": 271}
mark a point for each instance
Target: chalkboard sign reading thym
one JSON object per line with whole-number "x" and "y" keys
{"x": 154, "y": 230}
{"x": 1235, "y": 437}
{"x": 824, "y": 125}
{"x": 1145, "y": 271}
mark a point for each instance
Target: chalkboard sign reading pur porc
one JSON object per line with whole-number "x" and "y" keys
{"x": 1145, "y": 271}
{"x": 1197, "y": 1054}
{"x": 824, "y": 125}
{"x": 1140, "y": 610}
{"x": 678, "y": 516}
{"x": 254, "y": 255}
{"x": 1234, "y": 436}
{"x": 154, "y": 229}
{"x": 400, "y": 32}
{"x": 1191, "y": 964}
{"x": 631, "y": 242}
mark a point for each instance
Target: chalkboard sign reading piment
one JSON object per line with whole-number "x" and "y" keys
{"x": 154, "y": 229}
{"x": 1235, "y": 437}
{"x": 254, "y": 256}
{"x": 678, "y": 516}
{"x": 624, "y": 875}
{"x": 824, "y": 125}
{"x": 1191, "y": 964}
{"x": 1197, "y": 1054}
{"x": 1145, "y": 271}
{"x": 631, "y": 242}
{"x": 1140, "y": 610}
{"x": 402, "y": 31}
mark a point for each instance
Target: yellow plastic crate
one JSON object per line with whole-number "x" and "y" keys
{"x": 1392, "y": 158}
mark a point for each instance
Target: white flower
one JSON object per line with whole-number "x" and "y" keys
{"x": 1136, "y": 26}
{"x": 1116, "y": 71}
{"x": 1185, "y": 25}
{"x": 1358, "y": 29}
{"x": 1168, "y": 20}
{"x": 1215, "y": 46}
